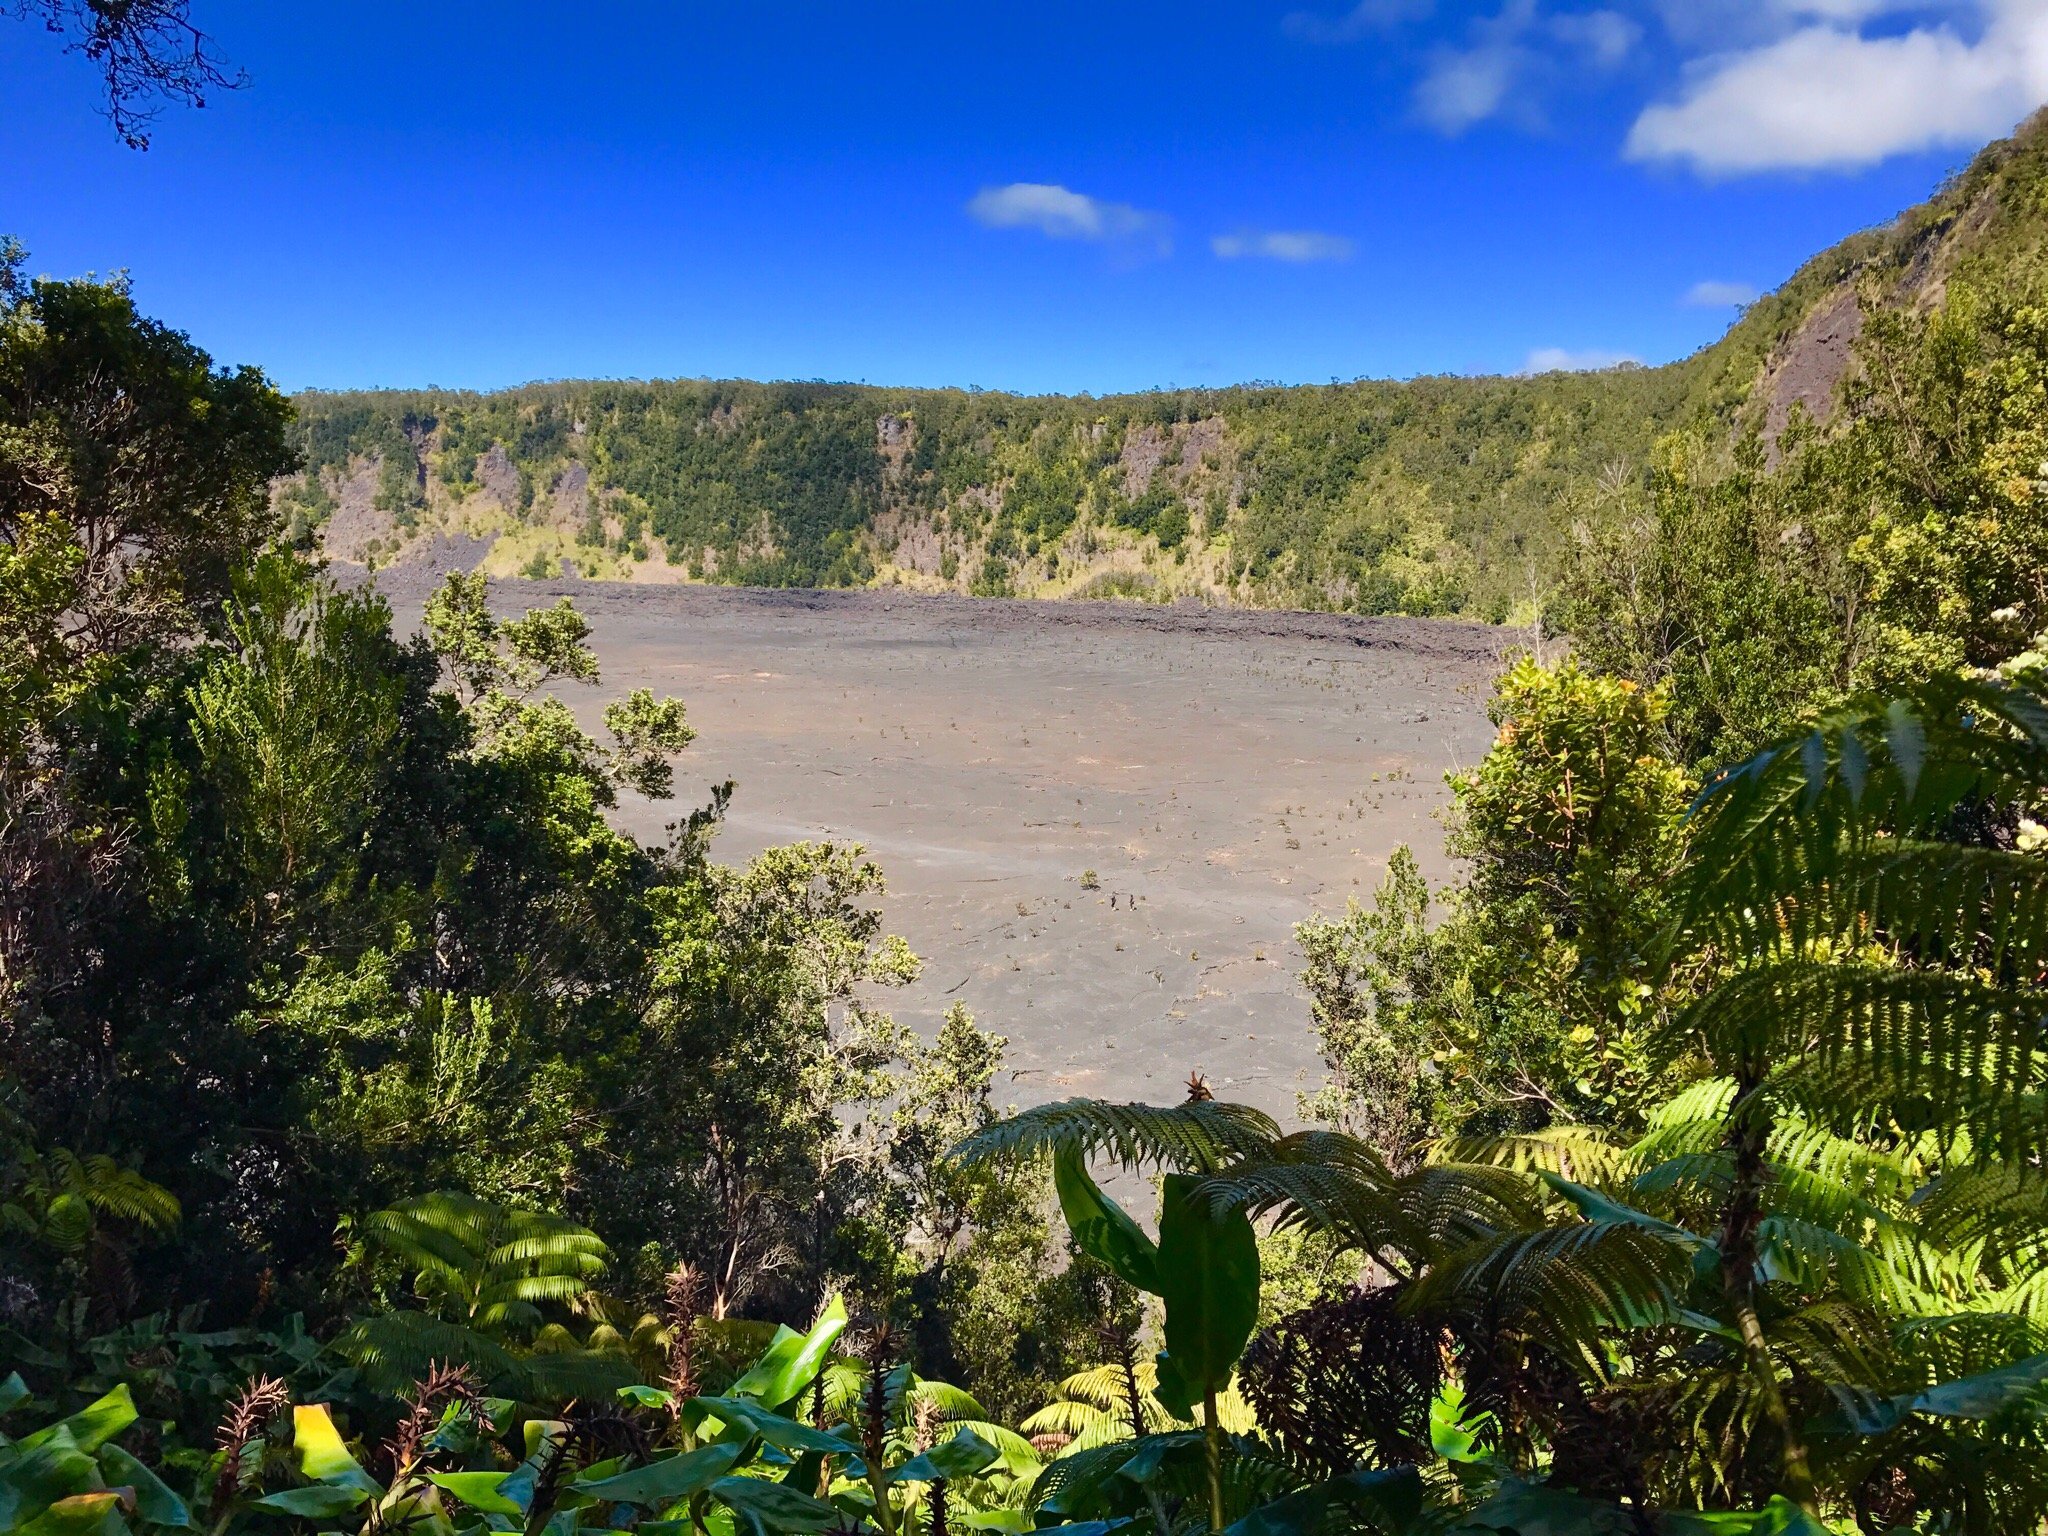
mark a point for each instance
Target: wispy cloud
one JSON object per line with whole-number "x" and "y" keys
{"x": 1292, "y": 245}
{"x": 1361, "y": 21}
{"x": 1059, "y": 213}
{"x": 1713, "y": 293}
{"x": 1510, "y": 61}
{"x": 1827, "y": 95}
{"x": 1567, "y": 360}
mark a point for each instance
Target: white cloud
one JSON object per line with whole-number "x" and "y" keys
{"x": 1511, "y": 58}
{"x": 1294, "y": 245}
{"x": 1566, "y": 360}
{"x": 1602, "y": 38}
{"x": 1062, "y": 214}
{"x": 1827, "y": 96}
{"x": 1712, "y": 293}
{"x": 1467, "y": 86}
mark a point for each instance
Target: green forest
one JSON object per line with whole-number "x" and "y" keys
{"x": 388, "y": 1143}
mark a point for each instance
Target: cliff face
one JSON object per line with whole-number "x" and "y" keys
{"x": 1988, "y": 228}
{"x": 1434, "y": 496}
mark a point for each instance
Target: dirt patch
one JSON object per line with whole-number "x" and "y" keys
{"x": 1814, "y": 362}
{"x": 569, "y": 501}
{"x": 358, "y": 529}
{"x": 1178, "y": 452}
{"x": 427, "y": 560}
{"x": 499, "y": 479}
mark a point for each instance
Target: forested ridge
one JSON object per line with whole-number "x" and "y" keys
{"x": 1432, "y": 496}
{"x": 389, "y": 1142}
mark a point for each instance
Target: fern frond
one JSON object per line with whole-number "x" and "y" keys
{"x": 1337, "y": 1185}
{"x": 1089, "y": 1424}
{"x": 1452, "y": 1205}
{"x": 1565, "y": 1286}
{"x": 1102, "y": 1386}
{"x": 951, "y": 1403}
{"x": 2002, "y": 1206}
{"x": 126, "y": 1195}
{"x": 1718, "y": 1409}
{"x": 1069, "y": 1484}
{"x": 1198, "y": 1137}
{"x": 1834, "y": 1343}
{"x": 1585, "y": 1154}
{"x": 1902, "y": 765}
{"x": 1969, "y": 1050}
{"x": 1948, "y": 903}
{"x": 395, "y": 1349}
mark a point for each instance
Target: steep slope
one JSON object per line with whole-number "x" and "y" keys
{"x": 1988, "y": 228}
{"x": 1432, "y": 496}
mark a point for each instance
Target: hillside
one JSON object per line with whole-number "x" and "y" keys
{"x": 1431, "y": 496}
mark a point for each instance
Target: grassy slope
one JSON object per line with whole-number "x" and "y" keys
{"x": 1437, "y": 495}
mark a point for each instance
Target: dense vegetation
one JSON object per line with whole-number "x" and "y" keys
{"x": 386, "y": 1141}
{"x": 1432, "y": 497}
{"x": 305, "y": 918}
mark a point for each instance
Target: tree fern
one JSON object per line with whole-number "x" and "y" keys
{"x": 485, "y": 1276}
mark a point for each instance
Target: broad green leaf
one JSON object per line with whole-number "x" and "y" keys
{"x": 93, "y": 1425}
{"x": 792, "y": 1364}
{"x": 321, "y": 1501}
{"x": 1970, "y": 1397}
{"x": 1172, "y": 1389}
{"x": 154, "y": 1501}
{"x": 542, "y": 1433}
{"x": 665, "y": 1481}
{"x": 30, "y": 1483}
{"x": 1150, "y": 1453}
{"x": 1454, "y": 1434}
{"x": 1012, "y": 1522}
{"x": 322, "y": 1456}
{"x": 805, "y": 1470}
{"x": 785, "y": 1433}
{"x": 13, "y": 1392}
{"x": 1208, "y": 1275}
{"x": 83, "y": 1514}
{"x": 773, "y": 1506}
{"x": 1780, "y": 1517}
{"x": 1103, "y": 1229}
{"x": 1530, "y": 1509}
{"x": 1393, "y": 1494}
{"x": 962, "y": 1456}
{"x": 1982, "y": 1395}
{"x": 481, "y": 1491}
{"x": 645, "y": 1397}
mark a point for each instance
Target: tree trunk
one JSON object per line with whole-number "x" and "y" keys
{"x": 1749, "y": 1130}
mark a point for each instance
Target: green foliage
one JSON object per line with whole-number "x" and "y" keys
{"x": 1205, "y": 1265}
{"x": 1808, "y": 1226}
{"x": 68, "y": 1476}
{"x": 1532, "y": 999}
{"x": 1431, "y": 497}
{"x": 1905, "y": 539}
{"x": 486, "y": 1279}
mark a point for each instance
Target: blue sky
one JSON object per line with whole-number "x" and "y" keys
{"x": 1059, "y": 196}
